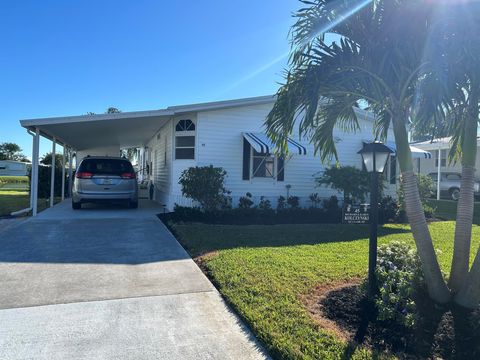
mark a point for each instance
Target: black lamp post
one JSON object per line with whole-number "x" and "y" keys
{"x": 375, "y": 156}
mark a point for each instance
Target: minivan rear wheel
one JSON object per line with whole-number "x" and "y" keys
{"x": 76, "y": 205}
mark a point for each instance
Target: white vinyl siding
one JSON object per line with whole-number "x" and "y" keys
{"x": 219, "y": 142}
{"x": 161, "y": 157}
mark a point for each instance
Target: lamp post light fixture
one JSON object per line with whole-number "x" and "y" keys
{"x": 375, "y": 156}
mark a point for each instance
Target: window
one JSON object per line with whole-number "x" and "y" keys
{"x": 454, "y": 177}
{"x": 185, "y": 140}
{"x": 106, "y": 166}
{"x": 263, "y": 165}
{"x": 185, "y": 125}
{"x": 393, "y": 170}
{"x": 443, "y": 154}
{"x": 184, "y": 147}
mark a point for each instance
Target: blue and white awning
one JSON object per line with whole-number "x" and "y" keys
{"x": 262, "y": 144}
{"x": 416, "y": 152}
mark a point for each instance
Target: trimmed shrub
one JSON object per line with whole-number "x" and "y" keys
{"x": 354, "y": 183}
{"x": 205, "y": 185}
{"x": 245, "y": 202}
{"x": 264, "y": 204}
{"x": 315, "y": 200}
{"x": 388, "y": 210}
{"x": 293, "y": 202}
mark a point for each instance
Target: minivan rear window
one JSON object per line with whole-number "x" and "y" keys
{"x": 106, "y": 166}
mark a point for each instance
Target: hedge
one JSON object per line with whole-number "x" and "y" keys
{"x": 44, "y": 176}
{"x": 14, "y": 180}
{"x": 239, "y": 216}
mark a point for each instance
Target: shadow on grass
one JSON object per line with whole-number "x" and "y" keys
{"x": 199, "y": 239}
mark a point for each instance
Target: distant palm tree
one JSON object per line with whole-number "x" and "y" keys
{"x": 376, "y": 60}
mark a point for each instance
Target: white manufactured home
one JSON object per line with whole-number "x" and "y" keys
{"x": 13, "y": 168}
{"x": 231, "y": 135}
{"x": 228, "y": 134}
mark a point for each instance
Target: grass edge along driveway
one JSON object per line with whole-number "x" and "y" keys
{"x": 13, "y": 200}
{"x": 264, "y": 271}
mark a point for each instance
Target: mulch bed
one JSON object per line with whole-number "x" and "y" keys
{"x": 441, "y": 333}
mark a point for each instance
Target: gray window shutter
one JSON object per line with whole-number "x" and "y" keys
{"x": 280, "y": 169}
{"x": 246, "y": 160}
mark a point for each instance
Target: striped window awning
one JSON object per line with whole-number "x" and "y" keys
{"x": 416, "y": 152}
{"x": 262, "y": 144}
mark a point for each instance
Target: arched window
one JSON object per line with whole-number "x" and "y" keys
{"x": 185, "y": 125}
{"x": 185, "y": 140}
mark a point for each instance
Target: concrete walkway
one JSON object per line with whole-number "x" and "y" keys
{"x": 109, "y": 283}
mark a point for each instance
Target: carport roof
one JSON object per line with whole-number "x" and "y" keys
{"x": 125, "y": 129}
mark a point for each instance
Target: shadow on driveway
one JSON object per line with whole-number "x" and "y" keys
{"x": 93, "y": 241}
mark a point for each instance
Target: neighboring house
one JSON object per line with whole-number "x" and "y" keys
{"x": 228, "y": 134}
{"x": 13, "y": 168}
{"x": 439, "y": 148}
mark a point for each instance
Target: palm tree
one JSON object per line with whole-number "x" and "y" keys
{"x": 377, "y": 60}
{"x": 464, "y": 50}
{"x": 455, "y": 90}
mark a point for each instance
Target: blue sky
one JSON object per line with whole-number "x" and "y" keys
{"x": 70, "y": 57}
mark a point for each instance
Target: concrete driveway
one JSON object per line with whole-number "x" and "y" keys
{"x": 109, "y": 283}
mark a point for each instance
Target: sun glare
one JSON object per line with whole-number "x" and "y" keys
{"x": 324, "y": 28}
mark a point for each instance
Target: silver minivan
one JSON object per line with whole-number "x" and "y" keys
{"x": 105, "y": 179}
{"x": 450, "y": 185}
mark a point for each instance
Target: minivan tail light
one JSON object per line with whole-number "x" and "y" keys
{"x": 83, "y": 175}
{"x": 128, "y": 176}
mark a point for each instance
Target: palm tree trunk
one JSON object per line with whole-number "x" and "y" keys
{"x": 469, "y": 295}
{"x": 463, "y": 227}
{"x": 468, "y": 283}
{"x": 437, "y": 288}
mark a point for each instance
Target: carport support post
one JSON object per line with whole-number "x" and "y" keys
{"x": 63, "y": 173}
{"x": 34, "y": 175}
{"x": 52, "y": 177}
{"x": 70, "y": 171}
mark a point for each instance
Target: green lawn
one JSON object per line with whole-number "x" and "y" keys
{"x": 14, "y": 200}
{"x": 447, "y": 209}
{"x": 263, "y": 271}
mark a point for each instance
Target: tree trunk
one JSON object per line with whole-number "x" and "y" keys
{"x": 467, "y": 283}
{"x": 469, "y": 295}
{"x": 463, "y": 230}
{"x": 437, "y": 288}
{"x": 463, "y": 227}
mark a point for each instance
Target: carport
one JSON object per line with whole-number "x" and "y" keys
{"x": 103, "y": 134}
